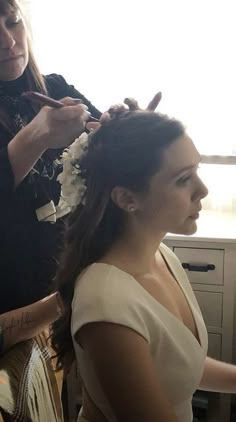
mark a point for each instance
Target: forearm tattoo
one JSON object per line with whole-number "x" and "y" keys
{"x": 9, "y": 327}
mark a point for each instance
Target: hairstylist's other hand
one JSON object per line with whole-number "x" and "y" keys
{"x": 57, "y": 128}
{"x": 131, "y": 103}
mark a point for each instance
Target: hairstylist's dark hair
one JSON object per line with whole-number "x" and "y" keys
{"x": 125, "y": 151}
{"x": 35, "y": 79}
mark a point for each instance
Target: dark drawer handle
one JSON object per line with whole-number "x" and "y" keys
{"x": 202, "y": 268}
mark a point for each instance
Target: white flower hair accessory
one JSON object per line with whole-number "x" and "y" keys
{"x": 73, "y": 185}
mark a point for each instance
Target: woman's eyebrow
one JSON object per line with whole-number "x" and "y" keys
{"x": 184, "y": 169}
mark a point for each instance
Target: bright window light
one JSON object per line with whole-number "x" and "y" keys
{"x": 113, "y": 49}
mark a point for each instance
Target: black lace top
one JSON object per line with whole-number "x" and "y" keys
{"x": 28, "y": 247}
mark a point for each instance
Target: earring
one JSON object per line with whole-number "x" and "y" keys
{"x": 131, "y": 208}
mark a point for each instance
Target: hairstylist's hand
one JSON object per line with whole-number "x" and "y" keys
{"x": 132, "y": 105}
{"x": 57, "y": 128}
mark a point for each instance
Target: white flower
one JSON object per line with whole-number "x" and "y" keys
{"x": 79, "y": 146}
{"x": 73, "y": 187}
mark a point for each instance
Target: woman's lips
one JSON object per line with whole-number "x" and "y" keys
{"x": 195, "y": 216}
{"x": 11, "y": 58}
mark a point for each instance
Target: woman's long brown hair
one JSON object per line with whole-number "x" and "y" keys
{"x": 125, "y": 151}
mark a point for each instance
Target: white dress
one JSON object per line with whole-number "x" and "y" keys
{"x": 105, "y": 293}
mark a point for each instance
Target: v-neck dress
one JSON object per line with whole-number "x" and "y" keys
{"x": 106, "y": 293}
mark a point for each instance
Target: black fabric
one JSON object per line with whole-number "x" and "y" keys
{"x": 28, "y": 248}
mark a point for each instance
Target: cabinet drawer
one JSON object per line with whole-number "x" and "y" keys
{"x": 205, "y": 265}
{"x": 211, "y": 305}
{"x": 214, "y": 346}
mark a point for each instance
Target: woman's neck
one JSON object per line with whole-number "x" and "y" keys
{"x": 135, "y": 251}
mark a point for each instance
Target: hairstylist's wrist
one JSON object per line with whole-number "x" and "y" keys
{"x": 54, "y": 307}
{"x": 41, "y": 315}
{"x": 60, "y": 305}
{"x": 35, "y": 138}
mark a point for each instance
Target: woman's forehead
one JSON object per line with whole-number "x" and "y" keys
{"x": 179, "y": 156}
{"x": 7, "y": 7}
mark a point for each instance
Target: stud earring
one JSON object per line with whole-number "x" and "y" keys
{"x": 131, "y": 208}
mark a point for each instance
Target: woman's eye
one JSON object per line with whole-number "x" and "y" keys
{"x": 13, "y": 22}
{"x": 10, "y": 24}
{"x": 184, "y": 180}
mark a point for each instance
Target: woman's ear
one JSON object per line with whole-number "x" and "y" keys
{"x": 124, "y": 199}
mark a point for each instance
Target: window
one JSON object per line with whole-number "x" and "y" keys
{"x": 113, "y": 49}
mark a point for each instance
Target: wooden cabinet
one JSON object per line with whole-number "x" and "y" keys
{"x": 210, "y": 265}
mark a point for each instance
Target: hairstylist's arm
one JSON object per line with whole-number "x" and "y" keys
{"x": 122, "y": 362}
{"x": 24, "y": 323}
{"x": 51, "y": 128}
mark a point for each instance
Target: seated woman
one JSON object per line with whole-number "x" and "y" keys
{"x": 131, "y": 317}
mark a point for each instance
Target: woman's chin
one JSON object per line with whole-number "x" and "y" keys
{"x": 187, "y": 229}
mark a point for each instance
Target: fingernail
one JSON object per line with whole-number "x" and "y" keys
{"x": 94, "y": 119}
{"x": 77, "y": 100}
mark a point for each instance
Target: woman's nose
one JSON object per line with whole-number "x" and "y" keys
{"x": 203, "y": 191}
{"x": 200, "y": 191}
{"x": 7, "y": 41}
